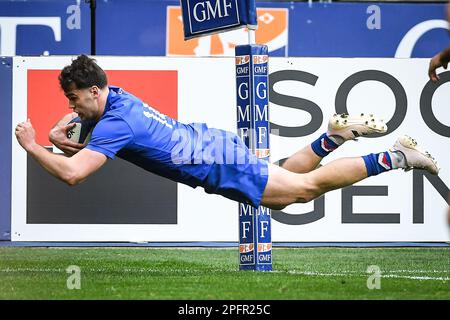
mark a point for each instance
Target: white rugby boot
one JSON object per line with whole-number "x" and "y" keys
{"x": 415, "y": 156}
{"x": 343, "y": 127}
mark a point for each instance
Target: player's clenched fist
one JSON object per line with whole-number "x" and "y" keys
{"x": 58, "y": 136}
{"x": 25, "y": 134}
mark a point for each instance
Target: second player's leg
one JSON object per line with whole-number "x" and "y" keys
{"x": 285, "y": 187}
{"x": 341, "y": 127}
{"x": 302, "y": 161}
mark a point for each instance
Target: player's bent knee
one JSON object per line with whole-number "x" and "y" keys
{"x": 276, "y": 206}
{"x": 308, "y": 190}
{"x": 285, "y": 188}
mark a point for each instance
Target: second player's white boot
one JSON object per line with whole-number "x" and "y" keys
{"x": 342, "y": 127}
{"x": 415, "y": 156}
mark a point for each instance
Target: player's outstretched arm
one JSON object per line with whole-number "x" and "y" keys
{"x": 440, "y": 60}
{"x": 58, "y": 135}
{"x": 71, "y": 170}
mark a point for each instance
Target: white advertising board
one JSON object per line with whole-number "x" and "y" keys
{"x": 305, "y": 92}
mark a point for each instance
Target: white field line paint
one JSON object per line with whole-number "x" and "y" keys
{"x": 420, "y": 271}
{"x": 135, "y": 270}
{"x": 306, "y": 273}
{"x": 343, "y": 274}
{"x": 415, "y": 277}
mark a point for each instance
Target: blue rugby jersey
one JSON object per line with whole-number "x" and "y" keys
{"x": 137, "y": 133}
{"x": 192, "y": 154}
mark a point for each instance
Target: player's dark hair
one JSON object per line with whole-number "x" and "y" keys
{"x": 84, "y": 73}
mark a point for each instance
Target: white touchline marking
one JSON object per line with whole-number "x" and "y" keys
{"x": 383, "y": 275}
{"x": 421, "y": 271}
{"x": 415, "y": 277}
{"x": 306, "y": 273}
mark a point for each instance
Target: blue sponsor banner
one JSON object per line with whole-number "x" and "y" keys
{"x": 255, "y": 246}
{"x": 369, "y": 29}
{"x": 5, "y": 145}
{"x": 202, "y": 17}
{"x": 141, "y": 30}
{"x": 44, "y": 27}
{"x": 136, "y": 27}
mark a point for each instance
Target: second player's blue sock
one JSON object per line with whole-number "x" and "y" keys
{"x": 324, "y": 145}
{"x": 377, "y": 163}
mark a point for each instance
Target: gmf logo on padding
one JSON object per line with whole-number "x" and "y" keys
{"x": 246, "y": 247}
{"x": 240, "y": 60}
{"x": 272, "y": 31}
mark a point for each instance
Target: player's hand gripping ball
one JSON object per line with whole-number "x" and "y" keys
{"x": 81, "y": 132}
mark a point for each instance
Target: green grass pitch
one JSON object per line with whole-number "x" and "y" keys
{"x": 212, "y": 274}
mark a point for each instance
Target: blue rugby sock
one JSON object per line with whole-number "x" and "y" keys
{"x": 377, "y": 163}
{"x": 324, "y": 145}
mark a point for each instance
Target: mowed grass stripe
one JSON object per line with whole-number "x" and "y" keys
{"x": 306, "y": 273}
{"x": 209, "y": 273}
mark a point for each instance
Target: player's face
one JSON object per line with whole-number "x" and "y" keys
{"x": 84, "y": 102}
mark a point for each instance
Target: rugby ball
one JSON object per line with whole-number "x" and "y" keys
{"x": 82, "y": 131}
